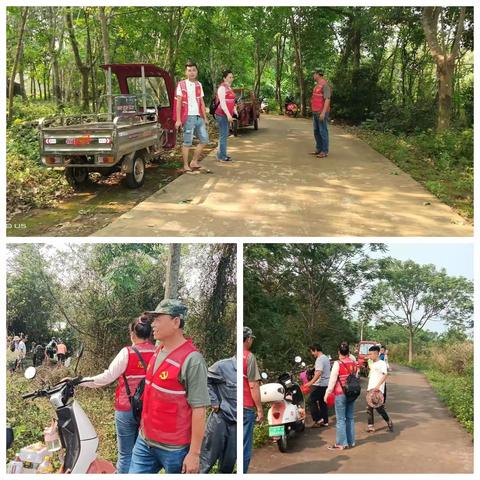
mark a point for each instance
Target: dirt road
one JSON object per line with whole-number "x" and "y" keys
{"x": 275, "y": 188}
{"x": 426, "y": 438}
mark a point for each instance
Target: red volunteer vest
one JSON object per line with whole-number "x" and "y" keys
{"x": 343, "y": 372}
{"x": 247, "y": 393}
{"x": 229, "y": 100}
{"x": 318, "y": 100}
{"x": 184, "y": 107}
{"x": 166, "y": 414}
{"x": 134, "y": 373}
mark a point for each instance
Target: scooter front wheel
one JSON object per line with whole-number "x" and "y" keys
{"x": 282, "y": 443}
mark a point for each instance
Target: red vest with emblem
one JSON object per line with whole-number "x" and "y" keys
{"x": 184, "y": 107}
{"x": 229, "y": 100}
{"x": 247, "y": 392}
{"x": 318, "y": 100}
{"x": 166, "y": 414}
{"x": 345, "y": 369}
{"x": 134, "y": 373}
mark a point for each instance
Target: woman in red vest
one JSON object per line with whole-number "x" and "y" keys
{"x": 224, "y": 114}
{"x": 344, "y": 408}
{"x": 128, "y": 367}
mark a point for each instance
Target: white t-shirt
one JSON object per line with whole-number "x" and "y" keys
{"x": 192, "y": 99}
{"x": 377, "y": 369}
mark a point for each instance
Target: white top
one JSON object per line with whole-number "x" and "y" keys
{"x": 115, "y": 369}
{"x": 21, "y": 348}
{"x": 377, "y": 369}
{"x": 192, "y": 99}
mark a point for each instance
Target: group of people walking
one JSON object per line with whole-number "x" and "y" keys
{"x": 336, "y": 383}
{"x": 190, "y": 114}
{"x": 341, "y": 381}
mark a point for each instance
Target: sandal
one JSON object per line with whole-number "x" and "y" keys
{"x": 370, "y": 428}
{"x": 337, "y": 447}
{"x": 322, "y": 155}
{"x": 191, "y": 172}
{"x": 315, "y": 153}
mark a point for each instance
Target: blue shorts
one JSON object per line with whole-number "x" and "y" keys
{"x": 194, "y": 125}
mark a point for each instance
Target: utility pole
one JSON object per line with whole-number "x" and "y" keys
{"x": 173, "y": 271}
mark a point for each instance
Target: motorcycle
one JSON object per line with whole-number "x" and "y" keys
{"x": 264, "y": 106}
{"x": 291, "y": 109}
{"x": 286, "y": 415}
{"x": 77, "y": 434}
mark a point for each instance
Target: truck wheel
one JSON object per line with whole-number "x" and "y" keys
{"x": 255, "y": 124}
{"x": 282, "y": 443}
{"x": 136, "y": 177}
{"x": 235, "y": 128}
{"x": 76, "y": 176}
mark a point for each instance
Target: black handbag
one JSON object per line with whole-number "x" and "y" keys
{"x": 136, "y": 402}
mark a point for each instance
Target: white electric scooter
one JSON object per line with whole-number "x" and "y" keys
{"x": 77, "y": 434}
{"x": 286, "y": 415}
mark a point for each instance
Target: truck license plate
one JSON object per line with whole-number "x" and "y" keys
{"x": 276, "y": 431}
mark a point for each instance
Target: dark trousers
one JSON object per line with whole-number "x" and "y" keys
{"x": 381, "y": 410}
{"x": 318, "y": 407}
{"x": 219, "y": 443}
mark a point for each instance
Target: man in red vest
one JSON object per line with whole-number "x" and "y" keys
{"x": 189, "y": 112}
{"x": 320, "y": 104}
{"x": 174, "y": 400}
{"x": 252, "y": 406}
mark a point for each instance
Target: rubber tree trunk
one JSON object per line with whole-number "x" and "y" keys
{"x": 410, "y": 346}
{"x": 11, "y": 85}
{"x": 173, "y": 271}
{"x": 105, "y": 39}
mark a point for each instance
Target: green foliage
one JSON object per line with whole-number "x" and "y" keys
{"x": 29, "y": 184}
{"x": 296, "y": 294}
{"x": 90, "y": 293}
{"x": 443, "y": 162}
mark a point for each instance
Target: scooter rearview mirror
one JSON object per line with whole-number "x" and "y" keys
{"x": 298, "y": 359}
{"x": 30, "y": 372}
{"x": 264, "y": 375}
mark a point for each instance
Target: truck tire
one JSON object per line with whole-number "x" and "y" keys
{"x": 76, "y": 176}
{"x": 136, "y": 177}
{"x": 255, "y": 124}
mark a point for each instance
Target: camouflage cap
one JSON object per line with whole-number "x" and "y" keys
{"x": 248, "y": 332}
{"x": 172, "y": 307}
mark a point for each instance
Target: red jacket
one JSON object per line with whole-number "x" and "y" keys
{"x": 134, "y": 373}
{"x": 318, "y": 100}
{"x": 184, "y": 107}
{"x": 247, "y": 392}
{"x": 229, "y": 100}
{"x": 166, "y": 414}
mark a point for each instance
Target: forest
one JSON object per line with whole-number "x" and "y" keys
{"x": 296, "y": 295}
{"x": 87, "y": 295}
{"x": 402, "y": 77}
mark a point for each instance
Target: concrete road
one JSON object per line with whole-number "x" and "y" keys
{"x": 426, "y": 438}
{"x": 275, "y": 188}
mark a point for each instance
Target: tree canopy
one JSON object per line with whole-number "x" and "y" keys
{"x": 410, "y": 63}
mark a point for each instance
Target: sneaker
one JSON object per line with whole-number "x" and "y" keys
{"x": 322, "y": 155}
{"x": 228, "y": 159}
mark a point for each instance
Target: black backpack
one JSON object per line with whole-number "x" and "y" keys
{"x": 136, "y": 402}
{"x": 213, "y": 105}
{"x": 352, "y": 387}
